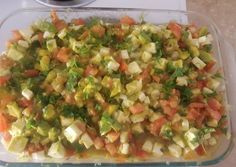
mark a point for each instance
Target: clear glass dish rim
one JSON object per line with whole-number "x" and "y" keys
{"x": 190, "y": 163}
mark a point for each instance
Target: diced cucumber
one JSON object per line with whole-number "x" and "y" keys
{"x": 161, "y": 63}
{"x": 137, "y": 128}
{"x": 124, "y": 148}
{"x": 198, "y": 63}
{"x": 191, "y": 137}
{"x": 157, "y": 149}
{"x": 133, "y": 68}
{"x": 17, "y": 127}
{"x": 124, "y": 54}
{"x": 146, "y": 56}
{"x": 194, "y": 51}
{"x": 182, "y": 81}
{"x": 179, "y": 141}
{"x": 51, "y": 44}
{"x": 43, "y": 128}
{"x": 206, "y": 57}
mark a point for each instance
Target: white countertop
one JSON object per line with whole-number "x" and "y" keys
{"x": 7, "y": 7}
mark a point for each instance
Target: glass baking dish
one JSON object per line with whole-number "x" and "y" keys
{"x": 22, "y": 18}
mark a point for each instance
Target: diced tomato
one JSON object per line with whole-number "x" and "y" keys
{"x": 4, "y": 79}
{"x": 16, "y": 35}
{"x": 31, "y": 73}
{"x": 111, "y": 148}
{"x": 175, "y": 29}
{"x": 214, "y": 104}
{"x": 127, "y": 20}
{"x": 193, "y": 29}
{"x": 119, "y": 33}
{"x": 98, "y": 143}
{"x": 167, "y": 109}
{"x": 155, "y": 126}
{"x": 40, "y": 37}
{"x": 136, "y": 108}
{"x": 31, "y": 148}
{"x": 113, "y": 136}
{"x": 146, "y": 73}
{"x": 214, "y": 114}
{"x": 98, "y": 30}
{"x": 78, "y": 21}
{"x": 23, "y": 102}
{"x": 197, "y": 105}
{"x": 200, "y": 119}
{"x": 209, "y": 66}
{"x": 54, "y": 16}
{"x": 200, "y": 150}
{"x": 60, "y": 24}
{"x": 5, "y": 99}
{"x": 70, "y": 152}
{"x": 156, "y": 78}
{"x": 84, "y": 35}
{"x": 193, "y": 114}
{"x": 7, "y": 136}
{"x": 4, "y": 124}
{"x": 90, "y": 70}
{"x": 81, "y": 126}
{"x": 63, "y": 55}
{"x": 123, "y": 65}
{"x": 69, "y": 98}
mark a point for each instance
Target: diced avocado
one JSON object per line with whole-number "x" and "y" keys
{"x": 213, "y": 83}
{"x": 14, "y": 54}
{"x": 17, "y": 127}
{"x": 150, "y": 47}
{"x": 75, "y": 45}
{"x": 43, "y": 128}
{"x": 17, "y": 144}
{"x": 51, "y": 44}
{"x": 116, "y": 87}
{"x": 198, "y": 63}
{"x": 96, "y": 59}
{"x": 62, "y": 34}
{"x": 107, "y": 123}
{"x": 49, "y": 112}
{"x": 57, "y": 150}
{"x": 86, "y": 140}
{"x": 178, "y": 63}
{"x": 44, "y": 63}
{"x": 14, "y": 110}
{"x": 194, "y": 51}
{"x": 73, "y": 132}
{"x": 106, "y": 81}
{"x": 53, "y": 134}
{"x": 191, "y": 137}
{"x": 161, "y": 63}
{"x": 42, "y": 52}
{"x": 184, "y": 55}
{"x": 202, "y": 31}
{"x": 212, "y": 123}
{"x": 166, "y": 131}
{"x": 206, "y": 57}
{"x": 111, "y": 108}
{"x": 134, "y": 87}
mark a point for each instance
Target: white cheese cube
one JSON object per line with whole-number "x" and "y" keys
{"x": 147, "y": 146}
{"x": 40, "y": 155}
{"x": 178, "y": 140}
{"x": 146, "y": 56}
{"x": 124, "y": 148}
{"x": 124, "y": 137}
{"x": 113, "y": 65}
{"x": 133, "y": 68}
{"x": 124, "y": 54}
{"x": 57, "y": 150}
{"x": 175, "y": 150}
{"x": 182, "y": 81}
{"x": 191, "y": 138}
{"x": 28, "y": 94}
{"x": 48, "y": 34}
{"x": 86, "y": 140}
{"x": 137, "y": 128}
{"x": 72, "y": 133}
{"x": 157, "y": 149}
{"x": 27, "y": 33}
{"x": 105, "y": 51}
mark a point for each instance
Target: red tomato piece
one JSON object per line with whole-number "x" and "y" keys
{"x": 127, "y": 20}
{"x": 175, "y": 29}
{"x": 136, "y": 108}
